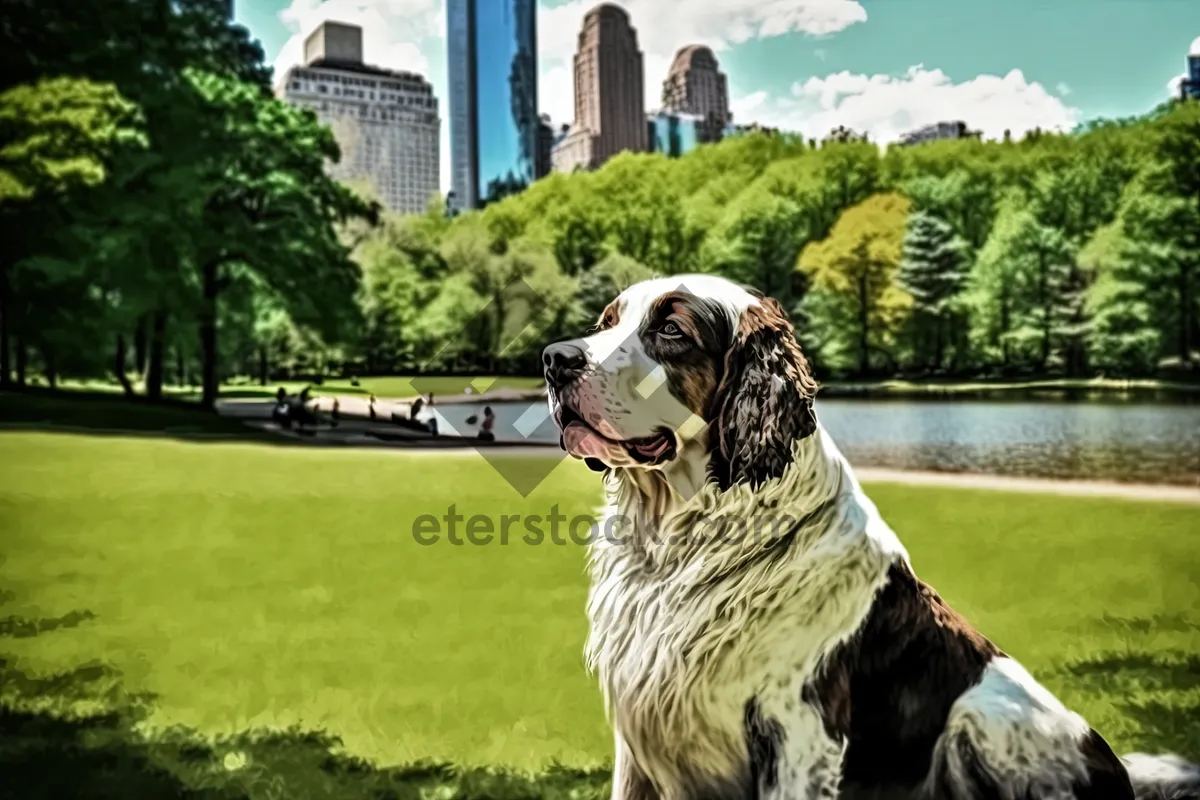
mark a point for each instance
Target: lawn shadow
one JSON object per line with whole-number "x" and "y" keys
{"x": 79, "y": 733}
{"x": 1159, "y": 690}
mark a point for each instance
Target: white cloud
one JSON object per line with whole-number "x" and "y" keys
{"x": 393, "y": 30}
{"x": 1063, "y": 89}
{"x": 885, "y": 106}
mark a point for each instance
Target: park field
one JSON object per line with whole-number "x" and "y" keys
{"x": 165, "y": 604}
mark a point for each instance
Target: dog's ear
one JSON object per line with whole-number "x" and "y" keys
{"x": 764, "y": 401}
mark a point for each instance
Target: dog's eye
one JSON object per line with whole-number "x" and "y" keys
{"x": 670, "y": 331}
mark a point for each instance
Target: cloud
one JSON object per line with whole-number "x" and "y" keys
{"x": 885, "y": 106}
{"x": 664, "y": 26}
{"x": 393, "y": 30}
{"x": 1063, "y": 89}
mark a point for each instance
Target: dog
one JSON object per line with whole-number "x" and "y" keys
{"x": 808, "y": 661}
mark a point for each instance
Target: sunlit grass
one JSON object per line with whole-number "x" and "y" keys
{"x": 248, "y": 585}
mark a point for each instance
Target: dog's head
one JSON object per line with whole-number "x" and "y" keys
{"x": 688, "y": 368}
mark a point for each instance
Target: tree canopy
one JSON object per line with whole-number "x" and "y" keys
{"x": 165, "y": 217}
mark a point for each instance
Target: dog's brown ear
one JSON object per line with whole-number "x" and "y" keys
{"x": 764, "y": 401}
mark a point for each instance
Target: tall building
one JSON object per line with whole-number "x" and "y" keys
{"x": 695, "y": 85}
{"x": 610, "y": 108}
{"x": 938, "y": 130}
{"x": 675, "y": 133}
{"x": 546, "y": 137}
{"x": 1190, "y": 86}
{"x": 385, "y": 122}
{"x": 491, "y": 49}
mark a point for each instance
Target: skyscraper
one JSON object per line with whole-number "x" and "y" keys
{"x": 610, "y": 109}
{"x": 696, "y": 85}
{"x": 491, "y": 49}
{"x": 385, "y": 122}
{"x": 674, "y": 133}
{"x": 1191, "y": 80}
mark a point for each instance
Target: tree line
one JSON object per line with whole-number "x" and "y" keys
{"x": 1056, "y": 255}
{"x": 165, "y": 218}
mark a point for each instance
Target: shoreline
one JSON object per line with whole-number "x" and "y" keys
{"x": 418, "y": 448}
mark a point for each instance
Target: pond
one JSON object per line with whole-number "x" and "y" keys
{"x": 1140, "y": 442}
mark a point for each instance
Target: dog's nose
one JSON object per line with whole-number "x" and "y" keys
{"x": 563, "y": 363}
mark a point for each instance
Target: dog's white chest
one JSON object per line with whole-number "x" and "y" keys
{"x": 680, "y": 654}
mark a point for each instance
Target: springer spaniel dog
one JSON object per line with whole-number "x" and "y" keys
{"x": 756, "y": 626}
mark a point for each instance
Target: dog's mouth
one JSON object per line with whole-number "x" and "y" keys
{"x": 600, "y": 452}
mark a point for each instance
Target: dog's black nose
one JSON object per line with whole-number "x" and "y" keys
{"x": 563, "y": 363}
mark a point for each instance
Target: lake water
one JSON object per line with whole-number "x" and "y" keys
{"x": 1146, "y": 443}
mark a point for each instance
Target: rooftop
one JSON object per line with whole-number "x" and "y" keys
{"x": 361, "y": 69}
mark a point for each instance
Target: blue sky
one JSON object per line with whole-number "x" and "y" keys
{"x": 882, "y": 66}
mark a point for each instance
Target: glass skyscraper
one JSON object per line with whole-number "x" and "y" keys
{"x": 491, "y": 48}
{"x": 673, "y": 133}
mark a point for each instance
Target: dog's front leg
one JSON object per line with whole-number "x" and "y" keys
{"x": 628, "y": 780}
{"x": 807, "y": 761}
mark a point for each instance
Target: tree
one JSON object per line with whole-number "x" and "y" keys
{"x": 932, "y": 271}
{"x": 268, "y": 205}
{"x": 1161, "y": 221}
{"x": 1125, "y": 336}
{"x": 858, "y": 263}
{"x": 61, "y": 136}
{"x": 1027, "y": 291}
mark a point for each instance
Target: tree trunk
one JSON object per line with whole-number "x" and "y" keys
{"x": 938, "y": 344}
{"x": 181, "y": 378}
{"x": 1043, "y": 297}
{"x": 5, "y": 376}
{"x": 119, "y": 358}
{"x": 263, "y": 363}
{"x": 51, "y": 367}
{"x": 1005, "y": 322}
{"x": 208, "y": 336}
{"x": 1185, "y": 315}
{"x": 155, "y": 355}
{"x": 19, "y": 344}
{"x": 864, "y": 355}
{"x": 139, "y": 346}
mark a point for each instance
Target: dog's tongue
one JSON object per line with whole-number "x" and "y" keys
{"x": 580, "y": 440}
{"x": 653, "y": 448}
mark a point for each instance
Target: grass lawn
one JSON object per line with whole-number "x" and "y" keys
{"x": 227, "y": 588}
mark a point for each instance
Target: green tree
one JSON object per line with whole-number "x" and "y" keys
{"x": 268, "y": 205}
{"x": 858, "y": 263}
{"x": 933, "y": 271}
{"x": 60, "y": 137}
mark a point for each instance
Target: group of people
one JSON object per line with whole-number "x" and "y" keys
{"x": 294, "y": 410}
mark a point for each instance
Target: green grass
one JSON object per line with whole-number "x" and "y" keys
{"x": 235, "y": 588}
